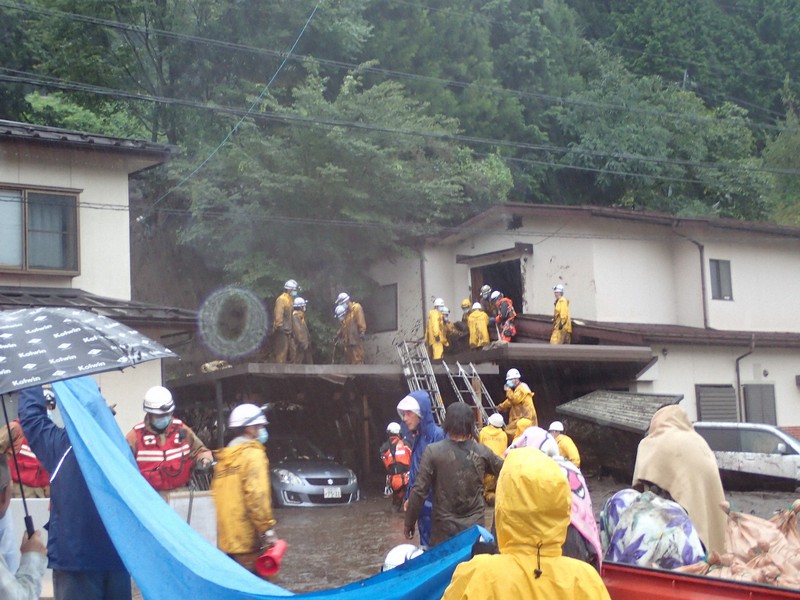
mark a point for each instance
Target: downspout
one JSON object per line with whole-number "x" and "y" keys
{"x": 739, "y": 395}
{"x": 702, "y": 251}
{"x": 422, "y": 287}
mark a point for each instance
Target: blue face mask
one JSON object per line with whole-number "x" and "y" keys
{"x": 161, "y": 423}
{"x": 263, "y": 435}
{"x": 293, "y": 293}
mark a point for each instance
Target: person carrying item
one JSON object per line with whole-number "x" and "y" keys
{"x": 505, "y": 315}
{"x": 458, "y": 336}
{"x": 493, "y": 437}
{"x": 532, "y": 514}
{"x": 34, "y": 477}
{"x": 562, "y": 323}
{"x": 282, "y": 321}
{"x": 487, "y": 305}
{"x": 166, "y": 449}
{"x": 241, "y": 489}
{"x": 478, "y": 324}
{"x": 566, "y": 446}
{"x": 454, "y": 469}
{"x": 415, "y": 411}
{"x": 300, "y": 349}
{"x": 24, "y": 582}
{"x": 435, "y": 333}
{"x": 396, "y": 458}
{"x": 80, "y": 552}
{"x": 518, "y": 402}
{"x": 675, "y": 462}
{"x": 352, "y": 330}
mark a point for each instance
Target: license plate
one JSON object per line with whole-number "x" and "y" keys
{"x": 332, "y": 492}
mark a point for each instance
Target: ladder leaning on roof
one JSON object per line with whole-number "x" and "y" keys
{"x": 419, "y": 374}
{"x": 468, "y": 384}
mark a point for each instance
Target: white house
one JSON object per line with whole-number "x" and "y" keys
{"x": 64, "y": 237}
{"x": 700, "y": 307}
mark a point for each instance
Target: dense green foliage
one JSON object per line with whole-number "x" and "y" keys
{"x": 393, "y": 118}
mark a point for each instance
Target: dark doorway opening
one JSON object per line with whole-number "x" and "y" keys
{"x": 504, "y": 276}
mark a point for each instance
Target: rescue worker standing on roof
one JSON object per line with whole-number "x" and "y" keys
{"x": 352, "y": 330}
{"x": 435, "y": 334}
{"x": 396, "y": 458}
{"x": 505, "y": 316}
{"x": 566, "y": 446}
{"x": 301, "y": 340}
{"x": 282, "y": 321}
{"x": 478, "y": 323}
{"x": 518, "y": 402}
{"x": 241, "y": 489}
{"x": 165, "y": 448}
{"x": 532, "y": 514}
{"x": 562, "y": 323}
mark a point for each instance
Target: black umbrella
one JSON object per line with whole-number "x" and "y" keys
{"x": 43, "y": 345}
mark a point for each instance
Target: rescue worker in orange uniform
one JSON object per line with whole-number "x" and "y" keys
{"x": 282, "y": 321}
{"x": 166, "y": 450}
{"x": 435, "y": 333}
{"x": 352, "y": 330}
{"x": 396, "y": 457}
{"x": 301, "y": 340}
{"x": 505, "y": 316}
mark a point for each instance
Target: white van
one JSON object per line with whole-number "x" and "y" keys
{"x": 751, "y": 455}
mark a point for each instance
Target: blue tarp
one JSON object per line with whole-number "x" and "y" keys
{"x": 168, "y": 559}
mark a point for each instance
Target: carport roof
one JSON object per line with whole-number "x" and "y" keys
{"x": 621, "y": 410}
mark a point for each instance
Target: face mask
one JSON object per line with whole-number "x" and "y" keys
{"x": 263, "y": 435}
{"x": 293, "y": 293}
{"x": 510, "y": 383}
{"x": 161, "y": 423}
{"x": 441, "y": 310}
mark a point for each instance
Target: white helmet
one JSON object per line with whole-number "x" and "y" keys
{"x": 513, "y": 374}
{"x": 400, "y": 554}
{"x": 245, "y": 415}
{"x": 158, "y": 401}
{"x": 496, "y": 420}
{"x": 438, "y": 302}
{"x": 476, "y": 306}
{"x": 559, "y": 287}
{"x": 290, "y": 285}
{"x": 445, "y": 310}
{"x": 342, "y": 298}
{"x": 300, "y": 303}
{"x": 556, "y": 426}
{"x": 486, "y": 290}
{"x": 393, "y": 428}
{"x": 339, "y": 311}
{"x": 496, "y": 294}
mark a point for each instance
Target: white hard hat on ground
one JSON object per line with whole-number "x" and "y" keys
{"x": 438, "y": 302}
{"x": 513, "y": 374}
{"x": 393, "y": 428}
{"x": 400, "y": 554}
{"x": 496, "y": 420}
{"x": 556, "y": 426}
{"x": 158, "y": 401}
{"x": 245, "y": 415}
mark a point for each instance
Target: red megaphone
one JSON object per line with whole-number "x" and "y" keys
{"x": 269, "y": 563}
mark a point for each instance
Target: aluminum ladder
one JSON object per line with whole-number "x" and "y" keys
{"x": 419, "y": 374}
{"x": 469, "y": 388}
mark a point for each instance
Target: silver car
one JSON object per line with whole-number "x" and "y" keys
{"x": 301, "y": 475}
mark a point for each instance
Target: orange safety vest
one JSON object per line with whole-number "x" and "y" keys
{"x": 397, "y": 460}
{"x": 31, "y": 471}
{"x": 164, "y": 467}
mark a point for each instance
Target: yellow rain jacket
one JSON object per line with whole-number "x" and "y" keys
{"x": 495, "y": 438}
{"x": 282, "y": 319}
{"x": 568, "y": 449}
{"x": 435, "y": 336}
{"x": 519, "y": 404}
{"x": 562, "y": 322}
{"x": 241, "y": 493}
{"x": 478, "y": 323}
{"x": 532, "y": 511}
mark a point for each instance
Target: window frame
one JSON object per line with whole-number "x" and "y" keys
{"x": 720, "y": 274}
{"x": 25, "y": 267}
{"x": 384, "y": 298}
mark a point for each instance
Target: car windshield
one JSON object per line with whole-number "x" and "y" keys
{"x": 283, "y": 449}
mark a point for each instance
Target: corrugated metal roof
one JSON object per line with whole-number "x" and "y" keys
{"x": 126, "y": 311}
{"x": 65, "y": 137}
{"x": 621, "y": 410}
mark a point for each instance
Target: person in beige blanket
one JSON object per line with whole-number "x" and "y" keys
{"x": 675, "y": 462}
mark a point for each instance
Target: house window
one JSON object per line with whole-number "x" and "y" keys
{"x": 38, "y": 230}
{"x": 380, "y": 309}
{"x": 721, "y": 280}
{"x": 716, "y": 403}
{"x": 759, "y": 403}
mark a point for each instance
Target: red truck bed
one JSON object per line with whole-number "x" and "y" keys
{"x": 626, "y": 582}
